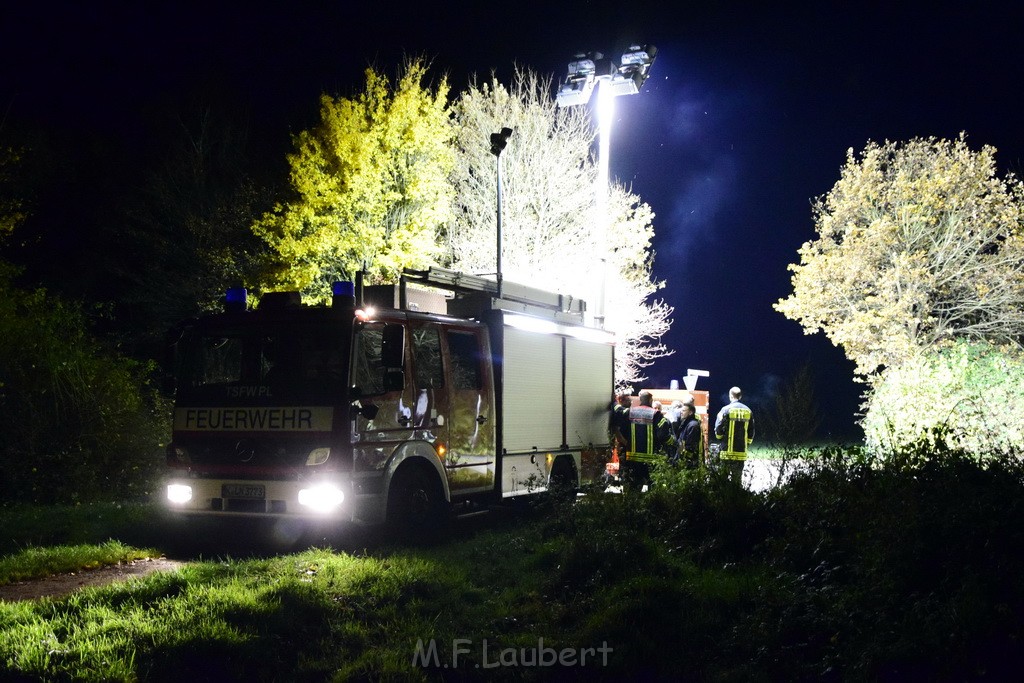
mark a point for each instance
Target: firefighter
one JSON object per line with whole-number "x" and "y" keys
{"x": 618, "y": 418}
{"x": 690, "y": 437}
{"x": 735, "y": 424}
{"x": 647, "y": 436}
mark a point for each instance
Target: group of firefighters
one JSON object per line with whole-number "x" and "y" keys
{"x": 643, "y": 435}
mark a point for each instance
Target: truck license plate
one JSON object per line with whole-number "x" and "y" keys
{"x": 243, "y": 491}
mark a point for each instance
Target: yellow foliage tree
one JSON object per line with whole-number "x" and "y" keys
{"x": 370, "y": 185}
{"x": 919, "y": 244}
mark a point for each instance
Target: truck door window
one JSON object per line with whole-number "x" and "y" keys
{"x": 216, "y": 360}
{"x": 301, "y": 360}
{"x": 278, "y": 360}
{"x": 367, "y": 368}
{"x": 464, "y": 350}
{"x": 426, "y": 349}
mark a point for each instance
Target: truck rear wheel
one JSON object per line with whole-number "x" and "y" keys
{"x": 563, "y": 481}
{"x": 416, "y": 506}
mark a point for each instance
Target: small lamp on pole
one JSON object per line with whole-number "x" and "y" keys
{"x": 498, "y": 142}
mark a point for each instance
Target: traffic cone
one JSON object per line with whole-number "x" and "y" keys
{"x": 612, "y": 468}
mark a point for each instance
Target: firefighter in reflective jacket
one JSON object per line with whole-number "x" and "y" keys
{"x": 647, "y": 436}
{"x": 735, "y": 424}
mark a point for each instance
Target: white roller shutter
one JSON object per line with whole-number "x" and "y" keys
{"x": 532, "y": 395}
{"x": 588, "y": 388}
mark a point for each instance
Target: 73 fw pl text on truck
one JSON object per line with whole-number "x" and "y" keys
{"x": 442, "y": 394}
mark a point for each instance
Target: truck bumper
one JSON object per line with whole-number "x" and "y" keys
{"x": 327, "y": 499}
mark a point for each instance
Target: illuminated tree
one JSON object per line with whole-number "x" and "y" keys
{"x": 966, "y": 395}
{"x": 370, "y": 186}
{"x": 918, "y": 274}
{"x": 919, "y": 244}
{"x": 549, "y": 236}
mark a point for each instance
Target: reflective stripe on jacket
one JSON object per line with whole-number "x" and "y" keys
{"x": 648, "y": 432}
{"x": 735, "y": 424}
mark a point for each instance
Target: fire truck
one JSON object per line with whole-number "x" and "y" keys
{"x": 444, "y": 393}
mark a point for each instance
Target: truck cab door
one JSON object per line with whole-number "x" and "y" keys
{"x": 380, "y": 377}
{"x": 470, "y": 458}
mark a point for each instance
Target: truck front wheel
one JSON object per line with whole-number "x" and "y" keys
{"x": 416, "y": 506}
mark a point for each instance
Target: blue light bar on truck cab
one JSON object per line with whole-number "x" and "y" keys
{"x": 343, "y": 294}
{"x": 235, "y": 299}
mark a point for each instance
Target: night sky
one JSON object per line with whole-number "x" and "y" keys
{"x": 746, "y": 117}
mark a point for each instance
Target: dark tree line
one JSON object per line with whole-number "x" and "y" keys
{"x": 106, "y": 240}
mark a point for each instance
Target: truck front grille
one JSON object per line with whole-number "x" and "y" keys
{"x": 276, "y": 507}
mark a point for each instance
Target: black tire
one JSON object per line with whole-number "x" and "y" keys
{"x": 563, "y": 482}
{"x": 417, "y": 510}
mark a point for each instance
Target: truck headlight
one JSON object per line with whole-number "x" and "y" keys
{"x": 179, "y": 493}
{"x": 321, "y": 497}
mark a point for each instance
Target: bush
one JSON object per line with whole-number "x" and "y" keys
{"x": 79, "y": 422}
{"x": 858, "y": 567}
{"x": 965, "y": 396}
{"x": 906, "y": 565}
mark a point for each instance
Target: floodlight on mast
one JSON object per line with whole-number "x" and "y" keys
{"x": 587, "y": 71}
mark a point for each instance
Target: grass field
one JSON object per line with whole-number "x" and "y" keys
{"x": 846, "y": 573}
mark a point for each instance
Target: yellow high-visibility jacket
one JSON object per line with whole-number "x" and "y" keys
{"x": 648, "y": 432}
{"x": 735, "y": 424}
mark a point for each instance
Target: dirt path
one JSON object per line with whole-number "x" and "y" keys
{"x": 65, "y": 584}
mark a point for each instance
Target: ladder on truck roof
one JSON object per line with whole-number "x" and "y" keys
{"x": 476, "y": 294}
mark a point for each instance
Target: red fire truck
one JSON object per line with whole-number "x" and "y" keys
{"x": 443, "y": 393}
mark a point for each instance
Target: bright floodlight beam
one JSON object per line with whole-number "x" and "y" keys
{"x": 605, "y": 115}
{"x": 587, "y": 71}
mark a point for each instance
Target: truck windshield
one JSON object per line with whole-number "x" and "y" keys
{"x": 299, "y": 362}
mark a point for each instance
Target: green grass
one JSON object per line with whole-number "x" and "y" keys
{"x": 34, "y": 563}
{"x": 319, "y": 613}
{"x": 24, "y": 526}
{"x": 849, "y": 572}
